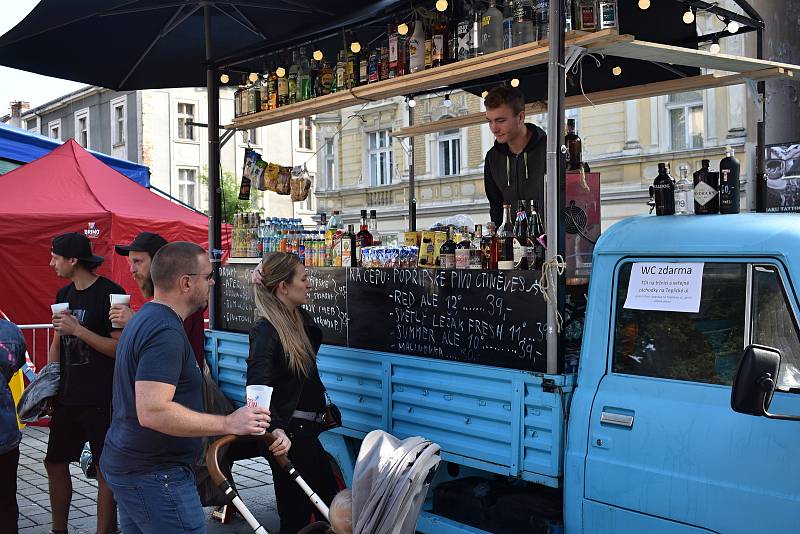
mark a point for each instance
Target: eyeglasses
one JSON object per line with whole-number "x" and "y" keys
{"x": 208, "y": 276}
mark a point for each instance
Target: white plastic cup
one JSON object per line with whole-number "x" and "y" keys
{"x": 259, "y": 395}
{"x": 59, "y": 307}
{"x": 118, "y": 298}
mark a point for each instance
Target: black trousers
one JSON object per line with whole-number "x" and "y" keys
{"x": 311, "y": 461}
{"x": 9, "y": 513}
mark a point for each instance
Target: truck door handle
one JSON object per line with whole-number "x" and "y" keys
{"x": 616, "y": 419}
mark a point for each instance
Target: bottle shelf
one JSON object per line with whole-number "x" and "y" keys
{"x": 500, "y": 62}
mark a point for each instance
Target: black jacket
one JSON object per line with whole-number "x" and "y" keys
{"x": 505, "y": 178}
{"x": 267, "y": 364}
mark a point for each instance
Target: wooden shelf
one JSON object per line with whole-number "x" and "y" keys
{"x": 692, "y": 83}
{"x": 500, "y": 62}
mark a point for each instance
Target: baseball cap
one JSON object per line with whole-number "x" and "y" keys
{"x": 144, "y": 242}
{"x": 75, "y": 245}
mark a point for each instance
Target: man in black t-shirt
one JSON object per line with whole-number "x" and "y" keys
{"x": 84, "y": 343}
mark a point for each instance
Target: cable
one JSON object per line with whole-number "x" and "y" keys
{"x": 557, "y": 264}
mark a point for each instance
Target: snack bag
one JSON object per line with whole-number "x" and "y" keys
{"x": 257, "y": 175}
{"x": 284, "y": 181}
{"x": 271, "y": 176}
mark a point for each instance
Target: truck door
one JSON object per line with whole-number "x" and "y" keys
{"x": 666, "y": 452}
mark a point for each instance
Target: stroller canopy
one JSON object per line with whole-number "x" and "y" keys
{"x": 390, "y": 481}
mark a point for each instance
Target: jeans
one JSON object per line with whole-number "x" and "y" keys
{"x": 158, "y": 502}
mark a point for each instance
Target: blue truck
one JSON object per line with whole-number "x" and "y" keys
{"x": 643, "y": 438}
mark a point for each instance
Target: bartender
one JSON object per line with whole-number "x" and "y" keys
{"x": 515, "y": 166}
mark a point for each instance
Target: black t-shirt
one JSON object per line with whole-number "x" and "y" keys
{"x": 153, "y": 348}
{"x": 86, "y": 374}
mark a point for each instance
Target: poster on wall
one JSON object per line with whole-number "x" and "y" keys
{"x": 783, "y": 177}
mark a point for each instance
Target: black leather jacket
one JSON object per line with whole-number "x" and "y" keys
{"x": 267, "y": 364}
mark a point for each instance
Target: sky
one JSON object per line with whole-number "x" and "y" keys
{"x": 20, "y": 85}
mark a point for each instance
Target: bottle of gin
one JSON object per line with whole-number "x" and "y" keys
{"x": 729, "y": 183}
{"x": 684, "y": 193}
{"x": 706, "y": 184}
{"x": 664, "y": 191}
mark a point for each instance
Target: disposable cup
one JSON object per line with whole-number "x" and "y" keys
{"x": 59, "y": 307}
{"x": 118, "y": 298}
{"x": 259, "y": 395}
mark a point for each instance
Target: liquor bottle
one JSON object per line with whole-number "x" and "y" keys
{"x": 574, "y": 147}
{"x": 706, "y": 183}
{"x": 664, "y": 191}
{"x": 569, "y": 16}
{"x": 363, "y": 68}
{"x": 348, "y": 248}
{"x": 363, "y": 237}
{"x": 523, "y": 30}
{"x": 374, "y": 65}
{"x": 373, "y": 227}
{"x": 508, "y": 24}
{"x": 536, "y": 238}
{"x": 253, "y": 98}
{"x": 505, "y": 240}
{"x": 428, "y": 46}
{"x": 447, "y": 252}
{"x": 294, "y": 69}
{"x": 463, "y": 249}
{"x": 475, "y": 48}
{"x": 394, "y": 41}
{"x": 416, "y": 48}
{"x": 521, "y": 238}
{"x": 606, "y": 14}
{"x": 303, "y": 77}
{"x": 475, "y": 249}
{"x": 491, "y": 29}
{"x": 353, "y": 60}
{"x": 586, "y": 15}
{"x": 461, "y": 33}
{"x": 489, "y": 247}
{"x": 729, "y": 183}
{"x": 541, "y": 19}
{"x": 315, "y": 73}
{"x": 383, "y": 64}
{"x": 340, "y": 82}
{"x": 684, "y": 196}
{"x": 264, "y": 89}
{"x": 402, "y": 56}
{"x": 283, "y": 90}
{"x": 326, "y": 77}
{"x": 439, "y": 42}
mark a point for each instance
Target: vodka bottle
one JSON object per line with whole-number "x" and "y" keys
{"x": 684, "y": 194}
{"x": 491, "y": 29}
{"x": 523, "y": 29}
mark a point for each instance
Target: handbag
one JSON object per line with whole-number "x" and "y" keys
{"x": 332, "y": 417}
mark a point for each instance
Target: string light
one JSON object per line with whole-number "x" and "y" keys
{"x": 355, "y": 47}
{"x": 616, "y": 71}
{"x": 441, "y": 5}
{"x": 253, "y": 77}
{"x": 688, "y": 17}
{"x": 733, "y": 26}
{"x": 514, "y": 82}
{"x": 318, "y": 55}
{"x": 280, "y": 72}
{"x": 644, "y": 4}
{"x": 402, "y": 28}
{"x": 411, "y": 102}
{"x": 714, "y": 48}
{"x": 447, "y": 103}
{"x": 484, "y": 94}
{"x": 224, "y": 78}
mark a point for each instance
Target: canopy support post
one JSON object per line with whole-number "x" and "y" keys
{"x": 214, "y": 199}
{"x": 412, "y": 196}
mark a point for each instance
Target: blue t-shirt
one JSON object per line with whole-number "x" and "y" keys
{"x": 153, "y": 347}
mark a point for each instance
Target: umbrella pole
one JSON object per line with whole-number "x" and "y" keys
{"x": 214, "y": 199}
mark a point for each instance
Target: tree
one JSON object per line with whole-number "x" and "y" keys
{"x": 231, "y": 205}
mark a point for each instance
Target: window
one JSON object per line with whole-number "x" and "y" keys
{"x": 304, "y": 133}
{"x": 185, "y": 115}
{"x": 380, "y": 158}
{"x": 32, "y": 125}
{"x": 450, "y": 153}
{"x": 187, "y": 186}
{"x": 54, "y": 129}
{"x": 309, "y": 203}
{"x": 330, "y": 163}
{"x": 685, "y": 112}
{"x": 82, "y": 127}
{"x": 698, "y": 347}
{"x": 250, "y": 136}
{"x": 773, "y": 324}
{"x": 118, "y": 121}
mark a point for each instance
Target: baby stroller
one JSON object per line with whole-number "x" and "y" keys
{"x": 390, "y": 481}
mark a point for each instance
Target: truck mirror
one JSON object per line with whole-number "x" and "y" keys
{"x": 755, "y": 380}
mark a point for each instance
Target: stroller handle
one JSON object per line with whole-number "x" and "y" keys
{"x": 212, "y": 454}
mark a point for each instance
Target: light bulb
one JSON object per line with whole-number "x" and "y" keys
{"x": 355, "y": 47}
{"x": 253, "y": 77}
{"x": 402, "y": 28}
{"x": 447, "y": 103}
{"x": 484, "y": 94}
{"x": 733, "y": 26}
{"x": 412, "y": 102}
{"x": 280, "y": 72}
{"x": 441, "y": 5}
{"x": 688, "y": 17}
{"x": 644, "y": 4}
{"x": 616, "y": 71}
{"x": 514, "y": 82}
{"x": 224, "y": 78}
{"x": 317, "y": 55}
{"x": 714, "y": 48}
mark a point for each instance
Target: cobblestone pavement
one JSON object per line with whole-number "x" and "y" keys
{"x": 253, "y": 480}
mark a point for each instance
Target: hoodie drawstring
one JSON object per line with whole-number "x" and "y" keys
{"x": 508, "y": 168}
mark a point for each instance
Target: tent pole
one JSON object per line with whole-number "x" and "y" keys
{"x": 412, "y": 197}
{"x": 554, "y": 183}
{"x": 214, "y": 199}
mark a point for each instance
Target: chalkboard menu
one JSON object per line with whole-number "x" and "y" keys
{"x": 486, "y": 317}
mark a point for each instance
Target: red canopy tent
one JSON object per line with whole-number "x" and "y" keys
{"x": 71, "y": 190}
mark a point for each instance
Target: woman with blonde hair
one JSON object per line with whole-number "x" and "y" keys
{"x": 283, "y": 347}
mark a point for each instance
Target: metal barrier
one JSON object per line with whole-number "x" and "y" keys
{"x": 35, "y": 335}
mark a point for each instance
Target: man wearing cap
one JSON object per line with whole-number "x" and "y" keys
{"x": 84, "y": 343}
{"x": 140, "y": 254}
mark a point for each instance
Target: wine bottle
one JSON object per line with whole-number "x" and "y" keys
{"x": 505, "y": 240}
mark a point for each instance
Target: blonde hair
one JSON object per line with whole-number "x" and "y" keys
{"x": 341, "y": 512}
{"x": 277, "y": 267}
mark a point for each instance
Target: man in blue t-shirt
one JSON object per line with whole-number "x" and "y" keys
{"x": 157, "y": 417}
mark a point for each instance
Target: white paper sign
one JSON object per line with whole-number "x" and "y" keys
{"x": 665, "y": 287}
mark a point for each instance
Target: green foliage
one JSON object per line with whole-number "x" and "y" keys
{"x": 231, "y": 205}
